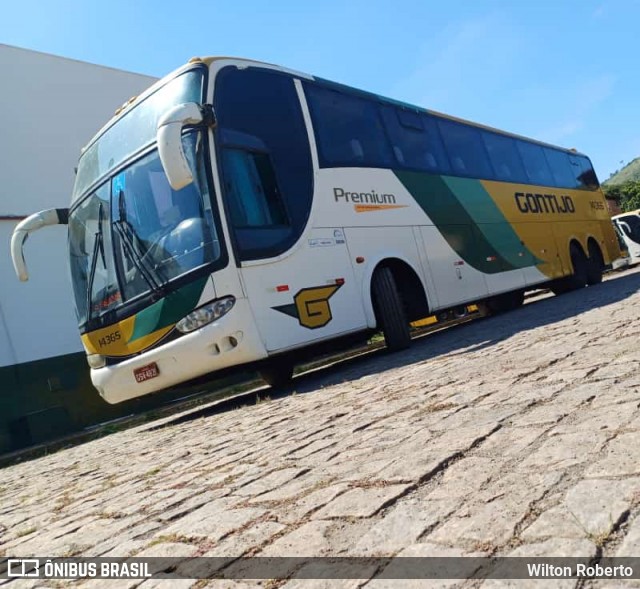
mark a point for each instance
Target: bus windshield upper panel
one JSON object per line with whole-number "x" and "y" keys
{"x": 135, "y": 130}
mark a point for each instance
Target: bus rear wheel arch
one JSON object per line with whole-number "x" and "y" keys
{"x": 398, "y": 298}
{"x": 390, "y": 311}
{"x": 579, "y": 277}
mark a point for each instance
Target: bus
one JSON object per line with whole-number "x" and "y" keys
{"x": 628, "y": 225}
{"x": 241, "y": 213}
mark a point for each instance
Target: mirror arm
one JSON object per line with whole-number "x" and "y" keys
{"x": 29, "y": 225}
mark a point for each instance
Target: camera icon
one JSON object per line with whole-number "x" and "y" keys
{"x": 23, "y": 567}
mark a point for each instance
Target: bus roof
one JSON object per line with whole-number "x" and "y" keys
{"x": 120, "y": 112}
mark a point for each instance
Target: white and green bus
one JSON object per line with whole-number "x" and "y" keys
{"x": 239, "y": 213}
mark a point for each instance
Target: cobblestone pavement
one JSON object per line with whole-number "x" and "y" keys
{"x": 512, "y": 435}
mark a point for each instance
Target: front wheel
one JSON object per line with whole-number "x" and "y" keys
{"x": 390, "y": 312}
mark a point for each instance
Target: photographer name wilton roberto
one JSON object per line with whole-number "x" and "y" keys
{"x": 581, "y": 570}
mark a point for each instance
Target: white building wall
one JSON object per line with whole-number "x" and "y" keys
{"x": 49, "y": 109}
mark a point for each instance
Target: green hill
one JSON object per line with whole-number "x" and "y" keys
{"x": 630, "y": 173}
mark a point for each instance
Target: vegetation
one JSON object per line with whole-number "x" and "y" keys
{"x": 630, "y": 173}
{"x": 627, "y": 195}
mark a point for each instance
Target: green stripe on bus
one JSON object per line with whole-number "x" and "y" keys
{"x": 169, "y": 310}
{"x": 467, "y": 217}
{"x": 490, "y": 221}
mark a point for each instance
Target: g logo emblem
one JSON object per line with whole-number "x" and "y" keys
{"x": 311, "y": 306}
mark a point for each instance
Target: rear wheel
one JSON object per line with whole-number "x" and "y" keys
{"x": 502, "y": 303}
{"x": 578, "y": 279}
{"x": 595, "y": 264}
{"x": 277, "y": 373}
{"x": 390, "y": 312}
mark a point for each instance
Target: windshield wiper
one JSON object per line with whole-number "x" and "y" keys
{"x": 134, "y": 249}
{"x": 98, "y": 248}
{"x": 137, "y": 260}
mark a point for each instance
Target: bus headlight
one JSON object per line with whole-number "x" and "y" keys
{"x": 96, "y": 360}
{"x": 205, "y": 314}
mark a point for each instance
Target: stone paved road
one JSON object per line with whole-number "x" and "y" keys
{"x": 512, "y": 435}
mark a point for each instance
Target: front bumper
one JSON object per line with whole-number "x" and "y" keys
{"x": 231, "y": 340}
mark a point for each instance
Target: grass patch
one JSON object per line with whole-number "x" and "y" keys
{"x": 170, "y": 539}
{"x": 63, "y": 502}
{"x": 109, "y": 515}
{"x": 74, "y": 550}
{"x": 26, "y": 531}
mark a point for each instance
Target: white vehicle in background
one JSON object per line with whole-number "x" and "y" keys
{"x": 628, "y": 225}
{"x": 624, "y": 261}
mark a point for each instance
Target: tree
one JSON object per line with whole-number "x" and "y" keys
{"x": 627, "y": 195}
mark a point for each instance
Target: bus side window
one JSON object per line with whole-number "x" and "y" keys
{"x": 252, "y": 191}
{"x": 585, "y": 175}
{"x": 466, "y": 151}
{"x": 348, "y": 129}
{"x": 535, "y": 164}
{"x": 265, "y": 159}
{"x": 561, "y": 169}
{"x": 436, "y": 156}
{"x": 415, "y": 139}
{"x": 504, "y": 157}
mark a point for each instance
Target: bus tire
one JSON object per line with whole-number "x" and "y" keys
{"x": 391, "y": 315}
{"x": 595, "y": 264}
{"x": 516, "y": 300}
{"x": 277, "y": 373}
{"x": 578, "y": 279}
{"x": 508, "y": 301}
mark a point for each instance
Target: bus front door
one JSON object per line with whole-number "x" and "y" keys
{"x": 307, "y": 296}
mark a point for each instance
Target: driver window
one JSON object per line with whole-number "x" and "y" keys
{"x": 252, "y": 191}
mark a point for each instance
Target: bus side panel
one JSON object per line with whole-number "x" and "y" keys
{"x": 566, "y": 232}
{"x": 376, "y": 244}
{"x": 571, "y": 214}
{"x": 540, "y": 240}
{"x": 455, "y": 280}
{"x": 308, "y": 296}
{"x": 581, "y": 232}
{"x": 504, "y": 277}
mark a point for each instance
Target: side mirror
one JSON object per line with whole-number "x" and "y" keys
{"x": 27, "y": 226}
{"x": 169, "y": 137}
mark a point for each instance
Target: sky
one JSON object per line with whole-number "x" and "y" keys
{"x": 562, "y": 71}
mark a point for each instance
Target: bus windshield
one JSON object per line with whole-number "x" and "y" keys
{"x": 130, "y": 233}
{"x": 134, "y": 234}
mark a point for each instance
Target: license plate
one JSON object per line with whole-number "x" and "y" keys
{"x": 146, "y": 372}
